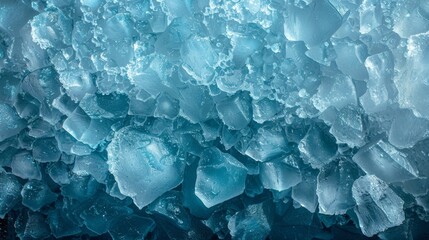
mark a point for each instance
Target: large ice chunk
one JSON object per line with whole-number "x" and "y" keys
{"x": 10, "y": 123}
{"x": 348, "y": 127}
{"x": 338, "y": 91}
{"x": 220, "y": 177}
{"x": 334, "y": 184}
{"x": 318, "y": 147}
{"x": 132, "y": 227}
{"x": 385, "y": 161}
{"x": 371, "y": 15}
{"x": 313, "y": 24}
{"x": 269, "y": 143}
{"x": 199, "y": 58}
{"x": 280, "y": 174}
{"x": 36, "y": 194}
{"x": 378, "y": 207}
{"x": 144, "y": 166}
{"x": 10, "y": 192}
{"x": 253, "y": 217}
{"x": 24, "y": 166}
{"x": 407, "y": 129}
{"x": 235, "y": 111}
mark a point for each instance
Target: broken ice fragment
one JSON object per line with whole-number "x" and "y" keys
{"x": 265, "y": 110}
{"x": 305, "y": 192}
{"x": 371, "y": 15}
{"x": 46, "y": 150}
{"x": 51, "y": 29}
{"x": 235, "y": 111}
{"x": 24, "y": 166}
{"x": 10, "y": 192}
{"x": 318, "y": 147}
{"x": 144, "y": 166}
{"x": 269, "y": 143}
{"x": 280, "y": 174}
{"x": 378, "y": 207}
{"x": 93, "y": 165}
{"x": 407, "y": 129}
{"x": 334, "y": 184}
{"x": 199, "y": 59}
{"x": 253, "y": 217}
{"x": 313, "y": 24}
{"x": 350, "y": 58}
{"x": 10, "y": 123}
{"x": 384, "y": 161}
{"x": 348, "y": 127}
{"x": 220, "y": 177}
{"x": 331, "y": 92}
{"x": 380, "y": 89}
{"x": 166, "y": 106}
{"x": 36, "y": 194}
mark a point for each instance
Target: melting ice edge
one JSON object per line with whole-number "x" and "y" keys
{"x": 214, "y": 119}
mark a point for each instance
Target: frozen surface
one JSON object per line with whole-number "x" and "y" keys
{"x": 214, "y": 119}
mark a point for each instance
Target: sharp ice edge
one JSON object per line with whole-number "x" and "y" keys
{"x": 198, "y": 119}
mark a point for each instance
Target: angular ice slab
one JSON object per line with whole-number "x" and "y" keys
{"x": 386, "y": 162}
{"x": 10, "y": 122}
{"x": 280, "y": 174}
{"x": 235, "y": 111}
{"x": 10, "y": 192}
{"x": 220, "y": 177}
{"x": 313, "y": 24}
{"x": 144, "y": 166}
{"x": 36, "y": 194}
{"x": 334, "y": 187}
{"x": 378, "y": 207}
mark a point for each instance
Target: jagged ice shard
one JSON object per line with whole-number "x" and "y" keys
{"x": 214, "y": 119}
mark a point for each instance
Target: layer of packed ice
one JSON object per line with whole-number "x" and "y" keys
{"x": 214, "y": 119}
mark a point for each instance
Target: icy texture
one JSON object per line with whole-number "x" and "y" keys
{"x": 214, "y": 119}
{"x": 378, "y": 207}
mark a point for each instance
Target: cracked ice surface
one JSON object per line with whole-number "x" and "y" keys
{"x": 214, "y": 119}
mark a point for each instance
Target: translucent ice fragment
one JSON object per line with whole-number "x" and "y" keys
{"x": 166, "y": 106}
{"x": 170, "y": 207}
{"x": 235, "y": 111}
{"x": 351, "y": 57}
{"x": 42, "y": 84}
{"x": 195, "y": 104}
{"x": 338, "y": 91}
{"x": 59, "y": 173}
{"x": 380, "y": 91}
{"x": 318, "y": 147}
{"x": 199, "y": 59}
{"x": 10, "y": 192}
{"x": 348, "y": 127}
{"x": 384, "y": 161}
{"x": 132, "y": 227}
{"x": 305, "y": 192}
{"x": 371, "y": 15}
{"x": 11, "y": 22}
{"x": 103, "y": 213}
{"x": 378, "y": 207}
{"x": 36, "y": 227}
{"x": 61, "y": 225}
{"x": 77, "y": 83}
{"x": 334, "y": 184}
{"x": 313, "y": 24}
{"x": 10, "y": 123}
{"x": 220, "y": 177}
{"x": 80, "y": 187}
{"x": 93, "y": 165}
{"x": 407, "y": 129}
{"x": 36, "y": 194}
{"x": 412, "y": 83}
{"x": 279, "y": 174}
{"x": 144, "y": 166}
{"x": 250, "y": 223}
{"x": 46, "y": 150}
{"x": 24, "y": 166}
{"x": 9, "y": 88}
{"x": 269, "y": 143}
{"x": 265, "y": 110}
{"x": 411, "y": 16}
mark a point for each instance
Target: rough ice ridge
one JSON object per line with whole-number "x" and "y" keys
{"x": 214, "y": 119}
